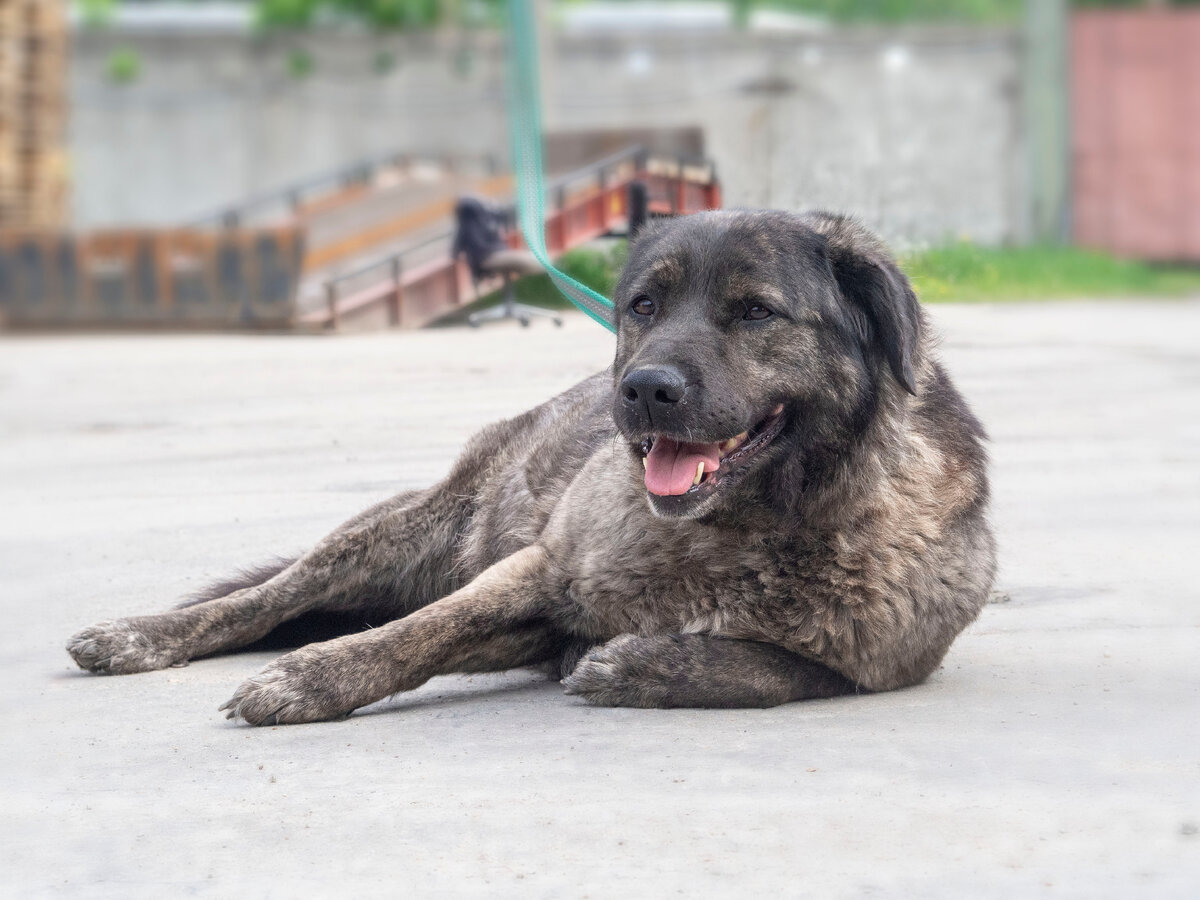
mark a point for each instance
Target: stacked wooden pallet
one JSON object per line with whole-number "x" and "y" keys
{"x": 33, "y": 99}
{"x": 9, "y": 78}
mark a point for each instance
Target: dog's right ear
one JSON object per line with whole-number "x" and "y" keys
{"x": 870, "y": 280}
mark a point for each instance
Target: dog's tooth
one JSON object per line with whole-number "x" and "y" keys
{"x": 645, "y": 465}
{"x": 699, "y": 473}
{"x": 777, "y": 410}
{"x": 734, "y": 442}
{"x": 730, "y": 445}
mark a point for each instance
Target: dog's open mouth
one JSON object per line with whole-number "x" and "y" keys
{"x": 675, "y": 468}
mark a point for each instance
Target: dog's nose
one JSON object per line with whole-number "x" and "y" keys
{"x": 659, "y": 387}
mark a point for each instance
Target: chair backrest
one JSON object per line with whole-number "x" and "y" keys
{"x": 478, "y": 232}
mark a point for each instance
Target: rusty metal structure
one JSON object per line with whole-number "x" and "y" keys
{"x": 33, "y": 114}
{"x": 583, "y": 205}
{"x": 1135, "y": 104}
{"x": 230, "y": 272}
{"x": 150, "y": 277}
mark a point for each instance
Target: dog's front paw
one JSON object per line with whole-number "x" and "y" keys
{"x": 124, "y": 646}
{"x": 624, "y": 672}
{"x": 308, "y": 685}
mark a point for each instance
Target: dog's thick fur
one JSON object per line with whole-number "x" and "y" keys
{"x": 842, "y": 549}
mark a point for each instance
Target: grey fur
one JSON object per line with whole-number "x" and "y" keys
{"x": 842, "y": 549}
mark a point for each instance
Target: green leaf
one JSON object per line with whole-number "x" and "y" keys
{"x": 123, "y": 65}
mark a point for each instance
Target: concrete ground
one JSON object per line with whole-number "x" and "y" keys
{"x": 1056, "y": 753}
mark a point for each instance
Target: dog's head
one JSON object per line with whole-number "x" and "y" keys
{"x": 748, "y": 338}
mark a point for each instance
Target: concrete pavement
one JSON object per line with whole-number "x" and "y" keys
{"x": 1056, "y": 753}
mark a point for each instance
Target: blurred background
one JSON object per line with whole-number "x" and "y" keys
{"x": 257, "y": 204}
{"x": 296, "y": 164}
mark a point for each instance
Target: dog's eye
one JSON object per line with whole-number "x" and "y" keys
{"x": 756, "y": 311}
{"x": 642, "y": 305}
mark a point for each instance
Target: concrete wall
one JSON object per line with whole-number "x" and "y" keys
{"x": 917, "y": 131}
{"x": 216, "y": 117}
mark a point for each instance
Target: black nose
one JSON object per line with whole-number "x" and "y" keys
{"x": 658, "y": 387}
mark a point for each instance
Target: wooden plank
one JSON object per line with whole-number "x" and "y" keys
{"x": 332, "y": 200}
{"x": 33, "y": 112}
{"x": 396, "y": 228}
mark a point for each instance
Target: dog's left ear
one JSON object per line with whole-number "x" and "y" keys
{"x": 871, "y": 281}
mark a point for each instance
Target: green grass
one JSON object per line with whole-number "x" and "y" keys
{"x": 893, "y": 11}
{"x": 1003, "y": 12}
{"x": 407, "y": 14}
{"x": 969, "y": 272}
{"x": 598, "y": 268}
{"x": 962, "y": 272}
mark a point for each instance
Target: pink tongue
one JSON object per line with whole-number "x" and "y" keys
{"x": 671, "y": 466}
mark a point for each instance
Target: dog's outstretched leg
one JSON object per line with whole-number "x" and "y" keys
{"x": 501, "y": 620}
{"x": 388, "y": 561}
{"x": 699, "y": 670}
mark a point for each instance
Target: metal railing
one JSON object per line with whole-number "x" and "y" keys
{"x": 291, "y": 198}
{"x": 391, "y": 270}
{"x": 389, "y": 286}
{"x": 394, "y": 264}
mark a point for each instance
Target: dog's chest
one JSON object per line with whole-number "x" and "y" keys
{"x": 668, "y": 582}
{"x": 623, "y": 570}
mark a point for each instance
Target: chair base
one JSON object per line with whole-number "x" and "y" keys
{"x": 511, "y": 309}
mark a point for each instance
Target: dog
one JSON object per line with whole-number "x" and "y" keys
{"x": 774, "y": 494}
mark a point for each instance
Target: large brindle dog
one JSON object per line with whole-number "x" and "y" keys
{"x": 775, "y": 494}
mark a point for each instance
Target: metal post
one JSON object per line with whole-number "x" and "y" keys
{"x": 680, "y": 189}
{"x": 1046, "y": 115}
{"x": 331, "y": 298}
{"x": 396, "y": 301}
{"x": 456, "y": 281}
{"x": 639, "y": 201}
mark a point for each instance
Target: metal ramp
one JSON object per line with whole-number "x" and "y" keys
{"x": 420, "y": 282}
{"x": 319, "y": 253}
